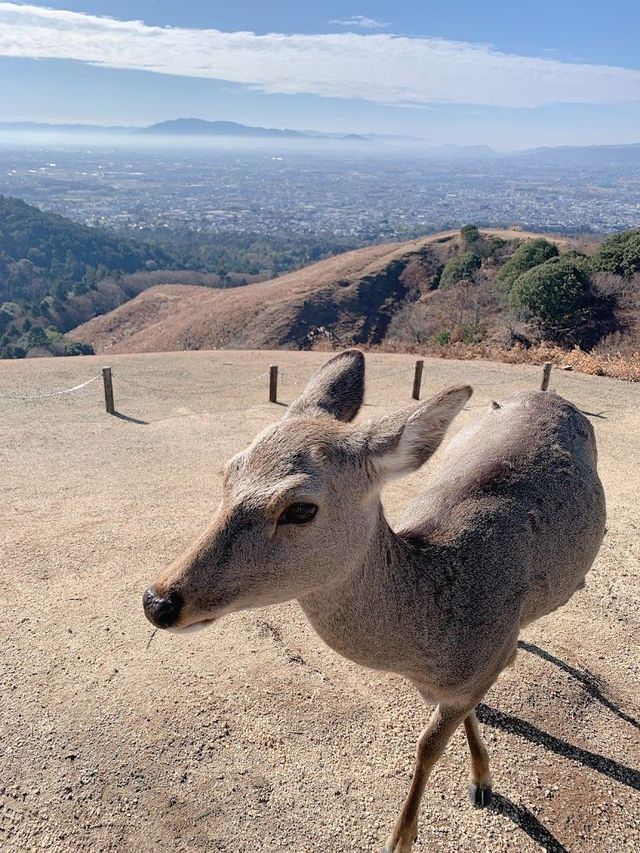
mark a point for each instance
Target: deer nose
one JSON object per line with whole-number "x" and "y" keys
{"x": 161, "y": 610}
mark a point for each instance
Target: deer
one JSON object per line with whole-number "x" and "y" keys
{"x": 505, "y": 532}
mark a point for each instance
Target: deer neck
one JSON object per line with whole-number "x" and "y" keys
{"x": 362, "y": 613}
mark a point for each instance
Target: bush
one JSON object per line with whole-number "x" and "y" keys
{"x": 442, "y": 338}
{"x": 558, "y": 297}
{"x": 526, "y": 256}
{"x": 461, "y": 267}
{"x": 619, "y": 254}
{"x": 470, "y": 234}
{"x": 77, "y": 348}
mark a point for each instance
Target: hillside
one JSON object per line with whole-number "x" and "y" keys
{"x": 349, "y": 298}
{"x": 51, "y": 269}
{"x": 56, "y": 273}
{"x": 497, "y": 294}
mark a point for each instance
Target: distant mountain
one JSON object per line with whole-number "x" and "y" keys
{"x": 594, "y": 155}
{"x": 418, "y": 145}
{"x": 181, "y": 127}
{"x": 200, "y": 127}
{"x": 604, "y": 155}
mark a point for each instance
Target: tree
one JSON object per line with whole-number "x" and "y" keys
{"x": 558, "y": 297}
{"x": 619, "y": 254}
{"x": 470, "y": 234}
{"x": 77, "y": 348}
{"x": 525, "y": 257}
{"x": 462, "y": 267}
{"x": 37, "y": 338}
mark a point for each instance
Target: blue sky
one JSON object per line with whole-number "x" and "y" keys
{"x": 508, "y": 74}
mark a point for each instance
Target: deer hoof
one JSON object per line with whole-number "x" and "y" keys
{"x": 479, "y": 797}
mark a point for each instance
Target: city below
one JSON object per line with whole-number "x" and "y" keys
{"x": 274, "y": 189}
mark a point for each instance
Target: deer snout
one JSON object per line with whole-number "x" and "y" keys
{"x": 162, "y": 610}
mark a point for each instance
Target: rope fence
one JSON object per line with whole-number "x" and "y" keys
{"x": 272, "y": 378}
{"x": 44, "y": 395}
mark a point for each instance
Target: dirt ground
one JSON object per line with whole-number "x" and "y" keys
{"x": 252, "y": 735}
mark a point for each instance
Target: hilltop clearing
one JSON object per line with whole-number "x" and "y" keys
{"x": 252, "y": 736}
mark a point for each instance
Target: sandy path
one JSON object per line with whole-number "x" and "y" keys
{"x": 253, "y": 736}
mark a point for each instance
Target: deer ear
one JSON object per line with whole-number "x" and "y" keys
{"x": 336, "y": 389}
{"x": 402, "y": 442}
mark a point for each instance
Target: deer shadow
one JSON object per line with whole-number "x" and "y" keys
{"x": 520, "y": 815}
{"x": 594, "y": 414}
{"x": 515, "y": 726}
{"x": 589, "y": 682}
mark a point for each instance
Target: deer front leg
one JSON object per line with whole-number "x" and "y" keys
{"x": 480, "y": 783}
{"x": 431, "y": 744}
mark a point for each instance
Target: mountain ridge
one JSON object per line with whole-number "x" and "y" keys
{"x": 202, "y": 127}
{"x": 612, "y": 154}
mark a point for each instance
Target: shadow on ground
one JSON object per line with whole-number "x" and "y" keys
{"x": 528, "y": 822}
{"x": 519, "y": 814}
{"x": 130, "y": 419}
{"x": 590, "y": 682}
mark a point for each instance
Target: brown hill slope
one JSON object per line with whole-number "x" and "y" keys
{"x": 355, "y": 294}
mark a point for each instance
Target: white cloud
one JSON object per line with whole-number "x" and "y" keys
{"x": 360, "y": 21}
{"x": 376, "y": 67}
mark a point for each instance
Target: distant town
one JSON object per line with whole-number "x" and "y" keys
{"x": 273, "y": 190}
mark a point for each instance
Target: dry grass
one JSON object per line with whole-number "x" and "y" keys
{"x": 616, "y": 365}
{"x": 332, "y": 303}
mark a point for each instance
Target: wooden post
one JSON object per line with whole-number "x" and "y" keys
{"x": 417, "y": 379}
{"x": 546, "y": 373}
{"x": 273, "y": 383}
{"x": 108, "y": 390}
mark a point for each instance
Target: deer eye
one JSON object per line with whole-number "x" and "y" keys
{"x": 298, "y": 514}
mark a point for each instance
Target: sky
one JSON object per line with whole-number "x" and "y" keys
{"x": 511, "y": 75}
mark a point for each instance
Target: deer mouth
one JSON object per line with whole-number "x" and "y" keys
{"x": 194, "y": 622}
{"x": 193, "y": 627}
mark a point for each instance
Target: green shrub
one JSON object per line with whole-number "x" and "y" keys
{"x": 526, "y": 256}
{"x": 37, "y": 337}
{"x": 442, "y": 338}
{"x": 77, "y": 348}
{"x": 462, "y": 267}
{"x": 619, "y": 254}
{"x": 470, "y": 234}
{"x": 557, "y": 296}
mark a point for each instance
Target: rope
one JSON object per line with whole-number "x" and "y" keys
{"x": 283, "y": 378}
{"x": 146, "y": 387}
{"x": 12, "y": 396}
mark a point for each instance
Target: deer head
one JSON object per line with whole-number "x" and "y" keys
{"x": 301, "y": 503}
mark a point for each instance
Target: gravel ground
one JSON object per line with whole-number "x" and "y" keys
{"x": 252, "y": 735}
